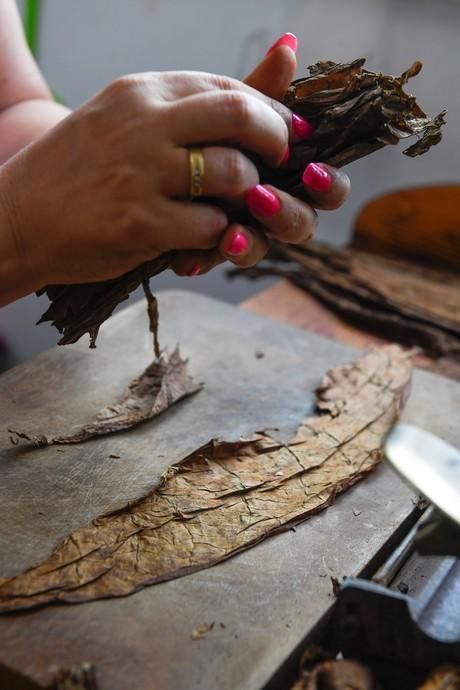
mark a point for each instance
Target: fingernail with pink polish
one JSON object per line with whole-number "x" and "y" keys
{"x": 285, "y": 157}
{"x": 238, "y": 244}
{"x": 317, "y": 178}
{"x": 194, "y": 271}
{"x": 286, "y": 39}
{"x": 262, "y": 202}
{"x": 301, "y": 127}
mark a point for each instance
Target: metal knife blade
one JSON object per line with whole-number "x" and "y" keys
{"x": 428, "y": 463}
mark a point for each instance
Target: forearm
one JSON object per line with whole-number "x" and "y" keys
{"x": 23, "y": 122}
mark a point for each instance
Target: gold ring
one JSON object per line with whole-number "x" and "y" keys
{"x": 196, "y": 172}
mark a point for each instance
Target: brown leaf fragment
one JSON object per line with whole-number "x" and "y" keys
{"x": 335, "y": 583}
{"x": 81, "y": 677}
{"x": 338, "y": 675}
{"x": 202, "y": 631}
{"x": 227, "y": 497}
{"x": 443, "y": 678}
{"x": 354, "y": 112}
{"x": 162, "y": 384}
{"x": 79, "y": 309}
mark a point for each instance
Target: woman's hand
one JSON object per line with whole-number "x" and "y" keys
{"x": 274, "y": 212}
{"x": 107, "y": 188}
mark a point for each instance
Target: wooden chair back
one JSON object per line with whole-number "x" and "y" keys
{"x": 421, "y": 224}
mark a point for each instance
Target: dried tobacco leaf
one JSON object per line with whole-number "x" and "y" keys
{"x": 418, "y": 306}
{"x": 443, "y": 678}
{"x": 77, "y": 678}
{"x": 227, "y": 497}
{"x": 202, "y": 631}
{"x": 354, "y": 112}
{"x": 162, "y": 384}
{"x": 79, "y": 309}
{"x": 338, "y": 675}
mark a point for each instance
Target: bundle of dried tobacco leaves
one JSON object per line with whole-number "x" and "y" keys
{"x": 354, "y": 112}
{"x": 417, "y": 305}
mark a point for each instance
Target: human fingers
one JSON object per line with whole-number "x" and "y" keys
{"x": 182, "y": 85}
{"x": 327, "y": 187}
{"x": 191, "y": 263}
{"x": 230, "y": 116}
{"x": 275, "y": 72}
{"x": 283, "y": 216}
{"x": 242, "y": 245}
{"x": 228, "y": 173}
{"x": 192, "y": 222}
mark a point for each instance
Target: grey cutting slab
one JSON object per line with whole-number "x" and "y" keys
{"x": 266, "y": 597}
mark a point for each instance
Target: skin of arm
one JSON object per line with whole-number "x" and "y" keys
{"x": 27, "y": 108}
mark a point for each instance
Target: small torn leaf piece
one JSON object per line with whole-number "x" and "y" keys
{"x": 227, "y": 497}
{"x": 443, "y": 678}
{"x": 354, "y": 112}
{"x": 162, "y": 384}
{"x": 202, "y": 631}
{"x": 77, "y": 678}
{"x": 339, "y": 674}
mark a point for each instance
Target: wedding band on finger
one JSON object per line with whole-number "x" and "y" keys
{"x": 196, "y": 161}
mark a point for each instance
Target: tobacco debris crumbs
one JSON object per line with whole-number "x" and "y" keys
{"x": 202, "y": 631}
{"x": 403, "y": 587}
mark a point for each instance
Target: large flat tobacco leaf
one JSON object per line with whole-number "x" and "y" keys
{"x": 227, "y": 497}
{"x": 354, "y": 112}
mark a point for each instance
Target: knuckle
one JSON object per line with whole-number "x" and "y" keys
{"x": 222, "y": 82}
{"x": 299, "y": 228}
{"x": 236, "y": 178}
{"x": 132, "y": 224}
{"x": 121, "y": 86}
{"x": 240, "y": 109}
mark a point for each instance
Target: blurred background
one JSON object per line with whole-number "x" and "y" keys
{"x": 82, "y": 46}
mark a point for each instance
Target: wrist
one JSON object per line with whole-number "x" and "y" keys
{"x": 18, "y": 275}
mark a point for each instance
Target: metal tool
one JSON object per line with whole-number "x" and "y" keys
{"x": 373, "y": 622}
{"x": 430, "y": 464}
{"x": 403, "y": 636}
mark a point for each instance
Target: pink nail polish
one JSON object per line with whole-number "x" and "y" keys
{"x": 302, "y": 128}
{"x": 238, "y": 244}
{"x": 316, "y": 178}
{"x": 194, "y": 271}
{"x": 262, "y": 202}
{"x": 285, "y": 157}
{"x": 286, "y": 39}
